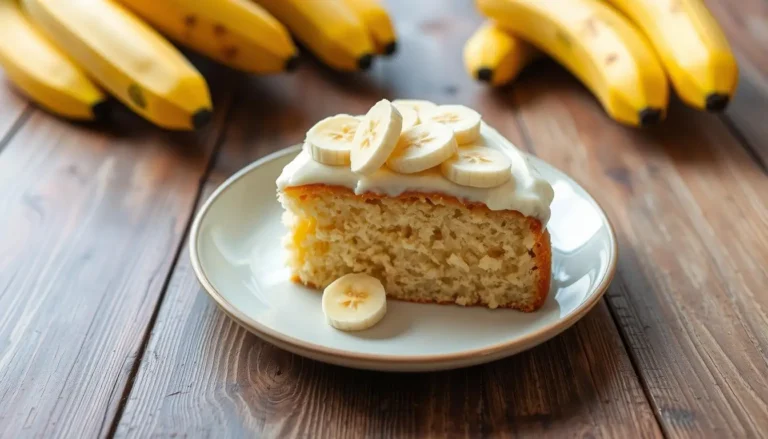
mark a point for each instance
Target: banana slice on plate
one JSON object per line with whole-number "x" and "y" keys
{"x": 375, "y": 138}
{"x": 418, "y": 105}
{"x": 464, "y": 121}
{"x": 354, "y": 302}
{"x": 422, "y": 147}
{"x": 477, "y": 166}
{"x": 330, "y": 140}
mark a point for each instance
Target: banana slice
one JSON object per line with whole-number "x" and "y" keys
{"x": 354, "y": 302}
{"x": 464, "y": 121}
{"x": 410, "y": 117}
{"x": 330, "y": 140}
{"x": 477, "y": 166}
{"x": 375, "y": 138}
{"x": 419, "y": 105}
{"x": 422, "y": 147}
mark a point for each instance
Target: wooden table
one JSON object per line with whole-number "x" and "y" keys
{"x": 104, "y": 330}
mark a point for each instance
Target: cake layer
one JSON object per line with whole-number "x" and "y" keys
{"x": 424, "y": 247}
{"x": 526, "y": 192}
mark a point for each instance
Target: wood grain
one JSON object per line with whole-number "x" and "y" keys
{"x": 91, "y": 223}
{"x": 204, "y": 376}
{"x": 746, "y": 26}
{"x": 686, "y": 199}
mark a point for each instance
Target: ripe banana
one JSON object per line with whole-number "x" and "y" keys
{"x": 477, "y": 166}
{"x": 464, "y": 121}
{"x": 42, "y": 72}
{"x": 330, "y": 140}
{"x": 375, "y": 138}
{"x": 128, "y": 58}
{"x": 495, "y": 56}
{"x": 237, "y": 33}
{"x": 598, "y": 45}
{"x": 354, "y": 302}
{"x": 330, "y": 29}
{"x": 376, "y": 19}
{"x": 422, "y": 147}
{"x": 691, "y": 46}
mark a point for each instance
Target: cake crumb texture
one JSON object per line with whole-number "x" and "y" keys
{"x": 426, "y": 248}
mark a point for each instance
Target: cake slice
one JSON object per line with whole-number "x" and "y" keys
{"x": 430, "y": 235}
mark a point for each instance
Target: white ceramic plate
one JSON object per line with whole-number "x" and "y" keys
{"x": 237, "y": 254}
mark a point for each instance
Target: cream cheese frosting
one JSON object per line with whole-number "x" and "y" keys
{"x": 526, "y": 192}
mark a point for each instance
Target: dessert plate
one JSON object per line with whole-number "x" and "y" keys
{"x": 237, "y": 254}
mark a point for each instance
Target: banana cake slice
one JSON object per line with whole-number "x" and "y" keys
{"x": 435, "y": 219}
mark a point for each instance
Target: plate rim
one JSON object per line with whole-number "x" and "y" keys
{"x": 276, "y": 337}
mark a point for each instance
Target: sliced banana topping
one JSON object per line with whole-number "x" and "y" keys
{"x": 422, "y": 147}
{"x": 330, "y": 140}
{"x": 419, "y": 105}
{"x": 410, "y": 117}
{"x": 354, "y": 302}
{"x": 464, "y": 121}
{"x": 477, "y": 166}
{"x": 375, "y": 138}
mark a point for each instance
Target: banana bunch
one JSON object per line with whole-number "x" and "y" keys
{"x": 624, "y": 51}
{"x": 68, "y": 55}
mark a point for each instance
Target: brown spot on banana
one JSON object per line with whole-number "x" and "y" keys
{"x": 190, "y": 21}
{"x": 229, "y": 52}
{"x": 137, "y": 96}
{"x": 590, "y": 27}
{"x": 611, "y": 58}
{"x": 219, "y": 30}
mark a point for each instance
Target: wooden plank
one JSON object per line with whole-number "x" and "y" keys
{"x": 204, "y": 375}
{"x": 690, "y": 206}
{"x": 746, "y": 26}
{"x": 91, "y": 224}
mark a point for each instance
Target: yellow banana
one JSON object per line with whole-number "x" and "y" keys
{"x": 691, "y": 46}
{"x": 42, "y": 72}
{"x": 495, "y": 56}
{"x": 330, "y": 29}
{"x": 376, "y": 19}
{"x": 598, "y": 45}
{"x": 128, "y": 58}
{"x": 237, "y": 33}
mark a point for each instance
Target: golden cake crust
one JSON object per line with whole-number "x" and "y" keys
{"x": 542, "y": 246}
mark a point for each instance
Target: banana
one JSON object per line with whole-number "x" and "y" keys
{"x": 42, "y": 72}
{"x": 691, "y": 46}
{"x": 330, "y": 29}
{"x": 330, "y": 140}
{"x": 128, "y": 58}
{"x": 238, "y": 33}
{"x": 422, "y": 147}
{"x": 379, "y": 25}
{"x": 410, "y": 116}
{"x": 598, "y": 45}
{"x": 354, "y": 302}
{"x": 421, "y": 106}
{"x": 477, "y": 166}
{"x": 495, "y": 56}
{"x": 464, "y": 121}
{"x": 375, "y": 138}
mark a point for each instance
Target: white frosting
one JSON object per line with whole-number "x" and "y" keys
{"x": 525, "y": 192}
